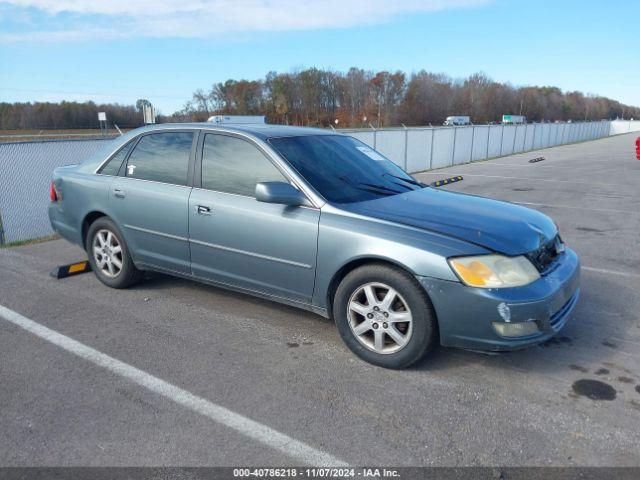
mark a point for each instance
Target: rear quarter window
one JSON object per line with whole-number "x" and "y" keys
{"x": 115, "y": 162}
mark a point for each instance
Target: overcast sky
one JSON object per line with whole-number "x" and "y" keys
{"x": 163, "y": 50}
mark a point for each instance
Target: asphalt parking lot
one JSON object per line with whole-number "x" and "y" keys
{"x": 288, "y": 371}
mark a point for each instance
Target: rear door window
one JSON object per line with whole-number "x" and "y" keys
{"x": 233, "y": 165}
{"x": 161, "y": 157}
{"x": 114, "y": 164}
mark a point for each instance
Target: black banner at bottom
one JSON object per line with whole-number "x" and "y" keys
{"x": 408, "y": 473}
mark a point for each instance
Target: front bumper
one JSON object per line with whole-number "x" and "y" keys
{"x": 465, "y": 314}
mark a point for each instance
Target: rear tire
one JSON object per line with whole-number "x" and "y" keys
{"x": 384, "y": 316}
{"x": 109, "y": 256}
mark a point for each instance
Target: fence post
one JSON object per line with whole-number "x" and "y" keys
{"x": 433, "y": 131}
{"x": 406, "y": 145}
{"x": 488, "y": 138}
{"x": 374, "y": 135}
{"x": 1, "y": 231}
{"x": 473, "y": 137}
{"x": 501, "y": 138}
{"x": 453, "y": 152}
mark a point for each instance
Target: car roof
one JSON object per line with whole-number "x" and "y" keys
{"x": 259, "y": 130}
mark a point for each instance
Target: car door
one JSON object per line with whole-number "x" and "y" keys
{"x": 239, "y": 241}
{"x": 149, "y": 200}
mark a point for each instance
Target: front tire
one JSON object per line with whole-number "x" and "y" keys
{"x": 109, "y": 256}
{"x": 384, "y": 316}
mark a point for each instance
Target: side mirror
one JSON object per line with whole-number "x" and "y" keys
{"x": 280, "y": 192}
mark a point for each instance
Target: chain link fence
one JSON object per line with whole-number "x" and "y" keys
{"x": 26, "y": 167}
{"x": 25, "y": 175}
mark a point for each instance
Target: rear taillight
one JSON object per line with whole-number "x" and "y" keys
{"x": 53, "y": 194}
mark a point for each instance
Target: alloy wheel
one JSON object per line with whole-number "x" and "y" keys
{"x": 380, "y": 318}
{"x": 107, "y": 253}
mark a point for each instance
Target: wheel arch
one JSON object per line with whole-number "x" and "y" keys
{"x": 353, "y": 264}
{"x": 88, "y": 219}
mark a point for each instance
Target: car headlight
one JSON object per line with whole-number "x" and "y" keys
{"x": 494, "y": 271}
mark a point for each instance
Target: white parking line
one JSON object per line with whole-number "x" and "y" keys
{"x": 537, "y": 165}
{"x": 629, "y": 212}
{"x": 517, "y": 178}
{"x": 250, "y": 428}
{"x": 611, "y": 272}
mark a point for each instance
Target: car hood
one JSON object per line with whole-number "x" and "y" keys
{"x": 499, "y": 226}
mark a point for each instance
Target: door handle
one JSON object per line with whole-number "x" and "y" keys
{"x": 119, "y": 192}
{"x": 203, "y": 210}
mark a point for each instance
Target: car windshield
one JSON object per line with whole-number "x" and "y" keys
{"x": 343, "y": 169}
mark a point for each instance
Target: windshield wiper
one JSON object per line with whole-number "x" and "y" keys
{"x": 408, "y": 180}
{"x": 371, "y": 187}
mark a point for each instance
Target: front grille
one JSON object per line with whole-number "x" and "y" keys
{"x": 544, "y": 257}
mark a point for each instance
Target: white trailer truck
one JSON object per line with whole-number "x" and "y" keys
{"x": 458, "y": 120}
{"x": 237, "y": 119}
{"x": 513, "y": 119}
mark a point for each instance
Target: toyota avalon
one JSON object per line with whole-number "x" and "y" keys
{"x": 323, "y": 222}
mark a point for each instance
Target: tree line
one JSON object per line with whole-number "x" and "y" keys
{"x": 29, "y": 116}
{"x": 357, "y": 98}
{"x": 360, "y": 97}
